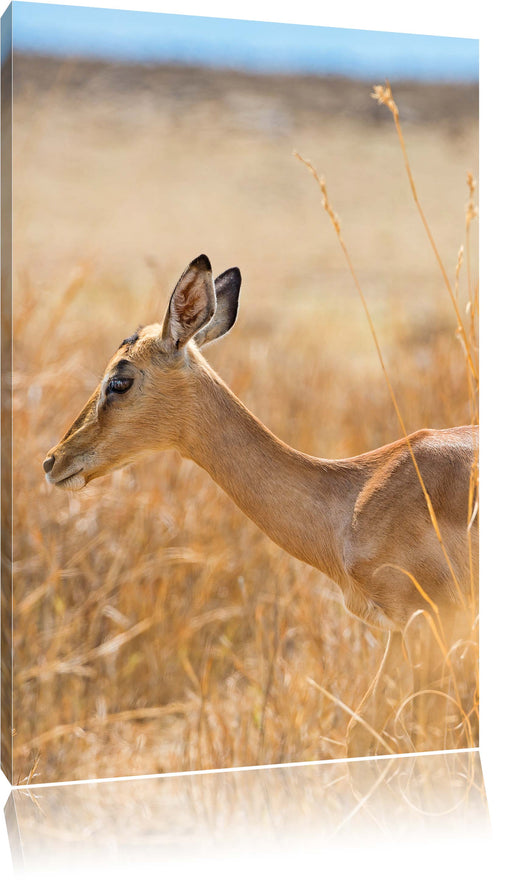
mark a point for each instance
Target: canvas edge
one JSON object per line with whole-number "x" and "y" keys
{"x": 6, "y": 398}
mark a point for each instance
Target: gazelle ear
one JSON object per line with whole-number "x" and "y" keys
{"x": 192, "y": 303}
{"x": 227, "y": 289}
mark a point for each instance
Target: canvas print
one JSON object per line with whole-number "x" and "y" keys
{"x": 240, "y": 393}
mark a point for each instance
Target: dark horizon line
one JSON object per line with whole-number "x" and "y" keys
{"x": 249, "y": 72}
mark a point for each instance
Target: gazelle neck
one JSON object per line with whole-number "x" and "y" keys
{"x": 282, "y": 490}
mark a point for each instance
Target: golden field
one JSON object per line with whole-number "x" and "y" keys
{"x": 156, "y": 628}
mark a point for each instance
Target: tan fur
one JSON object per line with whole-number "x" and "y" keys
{"x": 348, "y": 518}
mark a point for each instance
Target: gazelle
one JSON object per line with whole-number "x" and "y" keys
{"x": 349, "y": 518}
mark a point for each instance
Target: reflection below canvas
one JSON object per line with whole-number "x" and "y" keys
{"x": 307, "y": 807}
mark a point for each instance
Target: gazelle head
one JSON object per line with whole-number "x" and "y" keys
{"x": 142, "y": 402}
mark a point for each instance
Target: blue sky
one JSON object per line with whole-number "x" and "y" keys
{"x": 257, "y": 46}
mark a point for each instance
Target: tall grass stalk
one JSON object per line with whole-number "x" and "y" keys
{"x": 469, "y": 340}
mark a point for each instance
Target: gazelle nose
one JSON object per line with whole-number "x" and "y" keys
{"x": 48, "y": 464}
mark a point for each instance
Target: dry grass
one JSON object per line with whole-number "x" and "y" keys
{"x": 156, "y": 629}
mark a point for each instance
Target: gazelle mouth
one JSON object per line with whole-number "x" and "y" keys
{"x": 73, "y": 482}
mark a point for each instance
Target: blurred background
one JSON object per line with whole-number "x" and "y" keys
{"x": 156, "y": 629}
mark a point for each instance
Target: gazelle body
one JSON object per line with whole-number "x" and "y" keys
{"x": 362, "y": 521}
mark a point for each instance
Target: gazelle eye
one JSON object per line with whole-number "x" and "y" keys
{"x": 119, "y": 384}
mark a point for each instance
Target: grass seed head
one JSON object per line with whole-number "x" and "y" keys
{"x": 383, "y": 95}
{"x": 471, "y": 210}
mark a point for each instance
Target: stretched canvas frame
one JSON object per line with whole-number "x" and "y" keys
{"x": 121, "y": 630}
